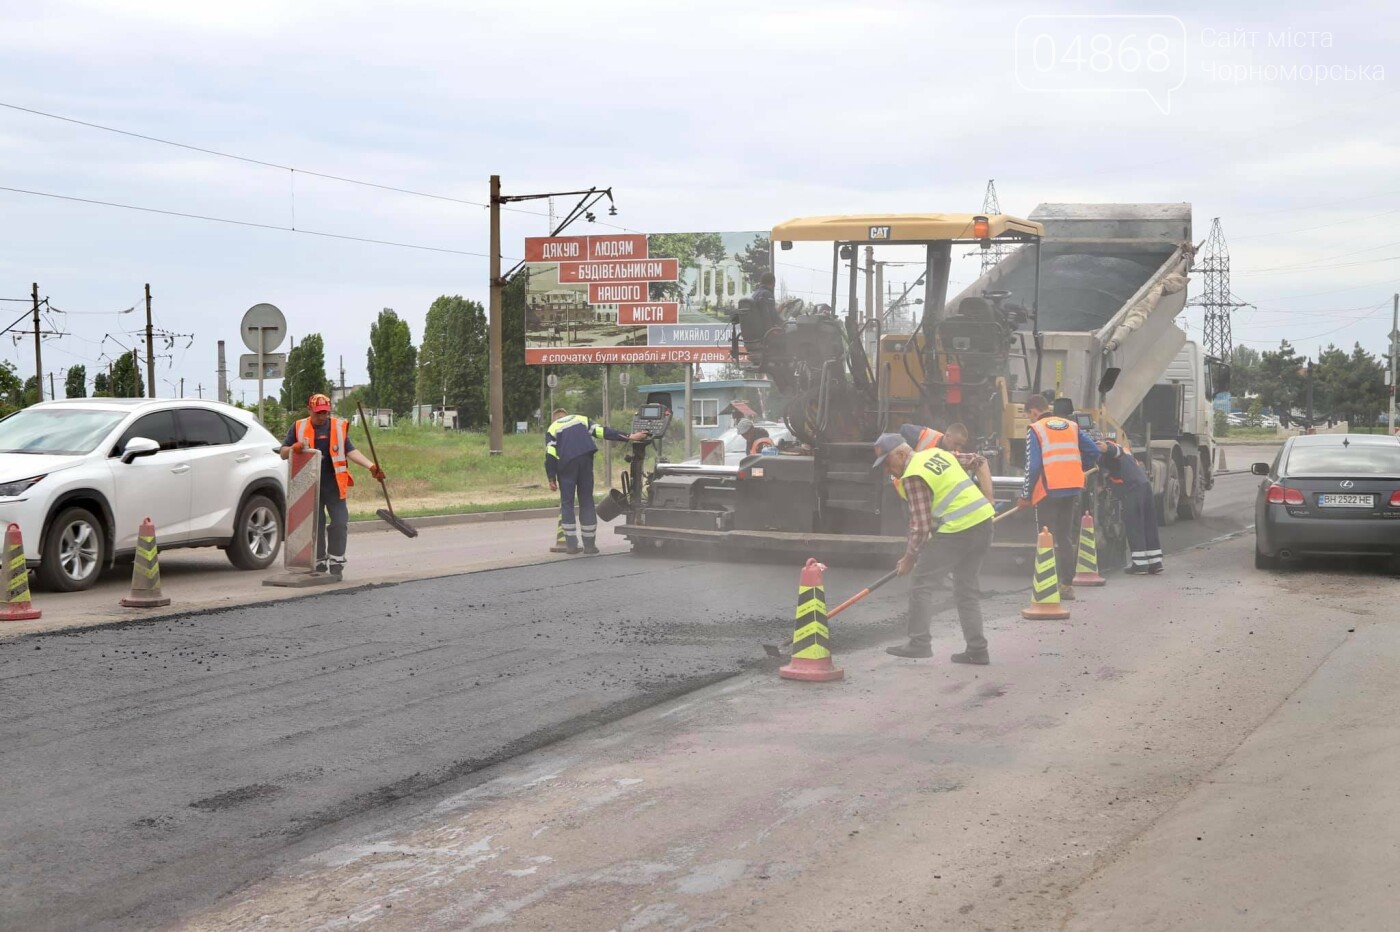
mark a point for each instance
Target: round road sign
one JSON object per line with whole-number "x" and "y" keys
{"x": 552, "y": 380}
{"x": 263, "y": 320}
{"x": 624, "y": 378}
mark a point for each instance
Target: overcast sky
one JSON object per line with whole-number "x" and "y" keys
{"x": 701, "y": 116}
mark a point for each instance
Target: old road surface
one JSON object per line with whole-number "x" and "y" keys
{"x": 154, "y": 771}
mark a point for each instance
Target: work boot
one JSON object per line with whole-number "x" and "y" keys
{"x": 981, "y": 659}
{"x": 590, "y": 548}
{"x": 1067, "y": 594}
{"x": 1156, "y": 569}
{"x": 1136, "y": 570}
{"x": 910, "y": 650}
{"x": 338, "y": 570}
{"x": 574, "y": 549}
{"x": 320, "y": 567}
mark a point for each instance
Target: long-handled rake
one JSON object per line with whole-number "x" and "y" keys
{"x": 385, "y": 514}
{"x": 773, "y": 650}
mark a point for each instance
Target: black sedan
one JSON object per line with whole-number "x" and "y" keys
{"x": 1329, "y": 494}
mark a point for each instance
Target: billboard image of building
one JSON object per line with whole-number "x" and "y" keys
{"x": 637, "y": 298}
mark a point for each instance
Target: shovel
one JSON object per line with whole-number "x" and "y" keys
{"x": 772, "y": 650}
{"x": 385, "y": 514}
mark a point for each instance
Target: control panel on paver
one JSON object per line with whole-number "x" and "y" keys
{"x": 652, "y": 418}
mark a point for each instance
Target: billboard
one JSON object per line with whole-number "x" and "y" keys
{"x": 637, "y": 298}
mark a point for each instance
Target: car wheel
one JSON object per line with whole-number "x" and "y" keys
{"x": 257, "y": 534}
{"x": 1262, "y": 561}
{"x": 75, "y": 551}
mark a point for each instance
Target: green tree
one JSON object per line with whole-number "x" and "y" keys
{"x": 520, "y": 383}
{"x": 393, "y": 362}
{"x": 305, "y": 373}
{"x": 275, "y": 417}
{"x": 75, "y": 384}
{"x": 126, "y": 381}
{"x": 686, "y": 248}
{"x": 348, "y": 406}
{"x": 100, "y": 388}
{"x": 453, "y": 358}
{"x": 1244, "y": 370}
{"x": 1279, "y": 383}
{"x": 756, "y": 258}
{"x": 1332, "y": 391}
{"x": 32, "y": 394}
{"x": 11, "y": 389}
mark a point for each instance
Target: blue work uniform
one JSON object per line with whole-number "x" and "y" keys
{"x": 568, "y": 460}
{"x": 1127, "y": 478}
{"x": 333, "y": 517}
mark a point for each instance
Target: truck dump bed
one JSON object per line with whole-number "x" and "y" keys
{"x": 1112, "y": 281}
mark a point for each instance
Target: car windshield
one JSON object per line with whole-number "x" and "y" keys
{"x": 1357, "y": 459}
{"x": 56, "y": 431}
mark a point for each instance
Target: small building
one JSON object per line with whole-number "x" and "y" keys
{"x": 718, "y": 404}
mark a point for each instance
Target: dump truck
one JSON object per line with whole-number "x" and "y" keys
{"x": 1083, "y": 309}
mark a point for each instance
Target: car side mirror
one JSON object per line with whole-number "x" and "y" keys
{"x": 1260, "y": 469}
{"x": 138, "y": 447}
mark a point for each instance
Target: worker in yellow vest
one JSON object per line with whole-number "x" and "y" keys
{"x": 950, "y": 529}
{"x": 330, "y": 435}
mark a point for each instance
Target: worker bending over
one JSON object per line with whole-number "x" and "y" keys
{"x": 330, "y": 435}
{"x": 568, "y": 462}
{"x": 1128, "y": 480}
{"x": 950, "y": 529}
{"x": 1057, "y": 456}
{"x": 755, "y": 438}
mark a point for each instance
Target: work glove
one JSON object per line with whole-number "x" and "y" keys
{"x": 298, "y": 447}
{"x": 376, "y": 472}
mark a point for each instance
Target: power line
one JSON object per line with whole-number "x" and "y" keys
{"x": 244, "y": 223}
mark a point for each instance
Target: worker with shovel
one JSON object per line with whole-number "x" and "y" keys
{"x": 330, "y": 435}
{"x": 950, "y": 529}
{"x": 568, "y": 462}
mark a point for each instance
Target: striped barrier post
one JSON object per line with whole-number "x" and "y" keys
{"x": 561, "y": 543}
{"x": 811, "y": 638}
{"x": 1045, "y": 584}
{"x": 145, "y": 571}
{"x": 1087, "y": 566}
{"x": 303, "y": 501}
{"x": 17, "y": 604}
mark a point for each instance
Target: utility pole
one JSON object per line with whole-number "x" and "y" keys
{"x": 1217, "y": 300}
{"x": 495, "y": 384}
{"x": 150, "y": 347}
{"x": 38, "y": 348}
{"x": 200, "y": 390}
{"x": 1394, "y": 346}
{"x": 222, "y": 376}
{"x": 342, "y": 378}
{"x": 52, "y": 396}
{"x": 182, "y": 386}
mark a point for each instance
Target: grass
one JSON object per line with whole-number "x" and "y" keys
{"x": 436, "y": 471}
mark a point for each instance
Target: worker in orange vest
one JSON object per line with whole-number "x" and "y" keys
{"x": 954, "y": 440}
{"x": 330, "y": 435}
{"x": 1057, "y": 456}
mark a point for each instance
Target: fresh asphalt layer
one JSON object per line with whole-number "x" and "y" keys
{"x": 152, "y": 766}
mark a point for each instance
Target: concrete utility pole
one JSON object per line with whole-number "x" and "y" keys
{"x": 496, "y": 404}
{"x": 150, "y": 347}
{"x": 342, "y": 378}
{"x": 52, "y": 396}
{"x": 607, "y": 422}
{"x": 199, "y": 389}
{"x": 1394, "y": 345}
{"x": 38, "y": 348}
{"x": 222, "y": 375}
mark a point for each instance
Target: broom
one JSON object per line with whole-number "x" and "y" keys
{"x": 772, "y": 650}
{"x": 385, "y": 514}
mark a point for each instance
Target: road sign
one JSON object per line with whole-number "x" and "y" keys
{"x": 274, "y": 365}
{"x": 263, "y": 320}
{"x": 552, "y": 380}
{"x": 624, "y": 378}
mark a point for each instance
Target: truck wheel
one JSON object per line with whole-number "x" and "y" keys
{"x": 1193, "y": 505}
{"x": 1170, "y": 498}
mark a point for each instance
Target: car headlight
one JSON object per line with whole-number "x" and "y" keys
{"x": 18, "y": 486}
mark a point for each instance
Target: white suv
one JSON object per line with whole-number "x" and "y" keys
{"x": 80, "y": 476}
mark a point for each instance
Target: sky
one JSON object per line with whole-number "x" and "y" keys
{"x": 1278, "y": 118}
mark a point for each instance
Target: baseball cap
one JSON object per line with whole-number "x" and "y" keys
{"x": 318, "y": 402}
{"x": 886, "y": 444}
{"x": 744, "y": 426}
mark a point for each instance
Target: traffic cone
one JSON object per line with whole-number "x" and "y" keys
{"x": 145, "y": 572}
{"x": 561, "y": 545}
{"x": 17, "y": 607}
{"x": 1087, "y": 568}
{"x": 811, "y": 639}
{"x": 1222, "y": 467}
{"x": 1045, "y": 584}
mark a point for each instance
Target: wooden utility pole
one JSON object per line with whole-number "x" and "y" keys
{"x": 200, "y": 389}
{"x": 496, "y": 404}
{"x": 38, "y": 348}
{"x": 52, "y": 396}
{"x": 150, "y": 349}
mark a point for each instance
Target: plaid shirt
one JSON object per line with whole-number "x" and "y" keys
{"x": 920, "y": 500}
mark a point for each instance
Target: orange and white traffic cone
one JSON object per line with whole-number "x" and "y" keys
{"x": 1045, "y": 584}
{"x": 145, "y": 572}
{"x": 17, "y": 604}
{"x": 811, "y": 638}
{"x": 1087, "y": 568}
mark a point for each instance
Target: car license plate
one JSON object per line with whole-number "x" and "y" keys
{"x": 1346, "y": 501}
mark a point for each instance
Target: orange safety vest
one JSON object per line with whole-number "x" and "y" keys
{"x": 339, "y": 428}
{"x": 1060, "y": 464}
{"x": 928, "y": 439}
{"x": 760, "y": 443}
